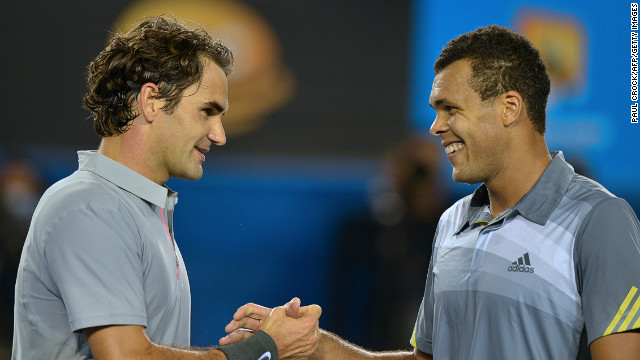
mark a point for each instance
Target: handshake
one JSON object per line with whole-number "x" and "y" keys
{"x": 294, "y": 329}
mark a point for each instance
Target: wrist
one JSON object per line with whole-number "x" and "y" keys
{"x": 260, "y": 346}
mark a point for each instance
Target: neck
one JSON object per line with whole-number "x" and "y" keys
{"x": 130, "y": 149}
{"x": 521, "y": 172}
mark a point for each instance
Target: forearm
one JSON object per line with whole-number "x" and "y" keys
{"x": 131, "y": 342}
{"x": 333, "y": 347}
{"x": 169, "y": 353}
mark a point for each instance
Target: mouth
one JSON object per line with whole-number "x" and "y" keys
{"x": 201, "y": 151}
{"x": 453, "y": 148}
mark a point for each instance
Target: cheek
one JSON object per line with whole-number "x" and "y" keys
{"x": 489, "y": 129}
{"x": 199, "y": 128}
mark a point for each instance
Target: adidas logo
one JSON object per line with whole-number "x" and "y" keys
{"x": 523, "y": 264}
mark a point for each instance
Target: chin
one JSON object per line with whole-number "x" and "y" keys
{"x": 190, "y": 175}
{"x": 194, "y": 177}
{"x": 465, "y": 178}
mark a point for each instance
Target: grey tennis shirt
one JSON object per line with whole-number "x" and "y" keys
{"x": 100, "y": 251}
{"x": 542, "y": 280}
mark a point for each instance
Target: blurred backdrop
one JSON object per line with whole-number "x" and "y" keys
{"x": 329, "y": 187}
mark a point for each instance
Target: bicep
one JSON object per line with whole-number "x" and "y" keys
{"x": 608, "y": 254}
{"x": 621, "y": 346}
{"x": 118, "y": 342}
{"x": 96, "y": 266}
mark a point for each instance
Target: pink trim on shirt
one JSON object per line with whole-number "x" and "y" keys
{"x": 166, "y": 228}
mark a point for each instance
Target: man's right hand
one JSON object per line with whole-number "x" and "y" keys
{"x": 296, "y": 338}
{"x": 252, "y": 318}
{"x": 293, "y": 328}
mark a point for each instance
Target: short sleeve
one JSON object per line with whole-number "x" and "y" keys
{"x": 422, "y": 338}
{"x": 608, "y": 255}
{"x": 94, "y": 256}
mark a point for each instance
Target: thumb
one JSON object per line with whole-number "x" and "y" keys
{"x": 293, "y": 308}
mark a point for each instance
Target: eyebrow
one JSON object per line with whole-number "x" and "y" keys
{"x": 438, "y": 103}
{"x": 216, "y": 106}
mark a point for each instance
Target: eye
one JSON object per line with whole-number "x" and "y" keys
{"x": 451, "y": 110}
{"x": 213, "y": 110}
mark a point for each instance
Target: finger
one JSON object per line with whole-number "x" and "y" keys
{"x": 313, "y": 311}
{"x": 238, "y": 335}
{"x": 278, "y": 311}
{"x": 293, "y": 308}
{"x": 252, "y": 310}
{"x": 304, "y": 309}
{"x": 247, "y": 322}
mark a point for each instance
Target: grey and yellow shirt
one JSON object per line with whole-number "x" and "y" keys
{"x": 100, "y": 251}
{"x": 542, "y": 280}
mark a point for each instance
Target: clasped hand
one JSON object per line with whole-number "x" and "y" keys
{"x": 295, "y": 329}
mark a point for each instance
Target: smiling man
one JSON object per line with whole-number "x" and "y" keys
{"x": 101, "y": 275}
{"x": 539, "y": 262}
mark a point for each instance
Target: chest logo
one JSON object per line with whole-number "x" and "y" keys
{"x": 523, "y": 264}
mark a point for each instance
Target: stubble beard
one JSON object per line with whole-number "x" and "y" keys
{"x": 466, "y": 175}
{"x": 189, "y": 169}
{"x": 470, "y": 171}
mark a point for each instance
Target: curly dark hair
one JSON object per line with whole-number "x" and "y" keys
{"x": 159, "y": 50}
{"x": 502, "y": 60}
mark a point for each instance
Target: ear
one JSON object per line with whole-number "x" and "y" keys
{"x": 511, "y": 107}
{"x": 150, "y": 104}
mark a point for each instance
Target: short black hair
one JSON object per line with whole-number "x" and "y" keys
{"x": 502, "y": 60}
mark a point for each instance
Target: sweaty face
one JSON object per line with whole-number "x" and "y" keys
{"x": 469, "y": 129}
{"x": 195, "y": 124}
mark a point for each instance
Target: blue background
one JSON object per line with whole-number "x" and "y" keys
{"x": 262, "y": 229}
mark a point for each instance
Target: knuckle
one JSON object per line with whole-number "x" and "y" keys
{"x": 308, "y": 353}
{"x": 277, "y": 310}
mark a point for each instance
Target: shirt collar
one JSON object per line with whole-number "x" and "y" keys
{"x": 125, "y": 178}
{"x": 537, "y": 204}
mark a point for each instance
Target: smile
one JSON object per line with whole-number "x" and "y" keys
{"x": 453, "y": 148}
{"x": 201, "y": 152}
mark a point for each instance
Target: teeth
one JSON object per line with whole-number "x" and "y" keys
{"x": 453, "y": 148}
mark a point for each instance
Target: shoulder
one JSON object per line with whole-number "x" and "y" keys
{"x": 453, "y": 217}
{"x": 583, "y": 189}
{"x": 600, "y": 204}
{"x": 81, "y": 197}
{"x": 458, "y": 210}
{"x": 81, "y": 189}
{"x": 581, "y": 200}
{"x": 607, "y": 219}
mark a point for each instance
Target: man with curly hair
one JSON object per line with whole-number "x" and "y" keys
{"x": 539, "y": 262}
{"x": 101, "y": 275}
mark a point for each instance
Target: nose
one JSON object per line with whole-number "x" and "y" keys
{"x": 216, "y": 133}
{"x": 440, "y": 125}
